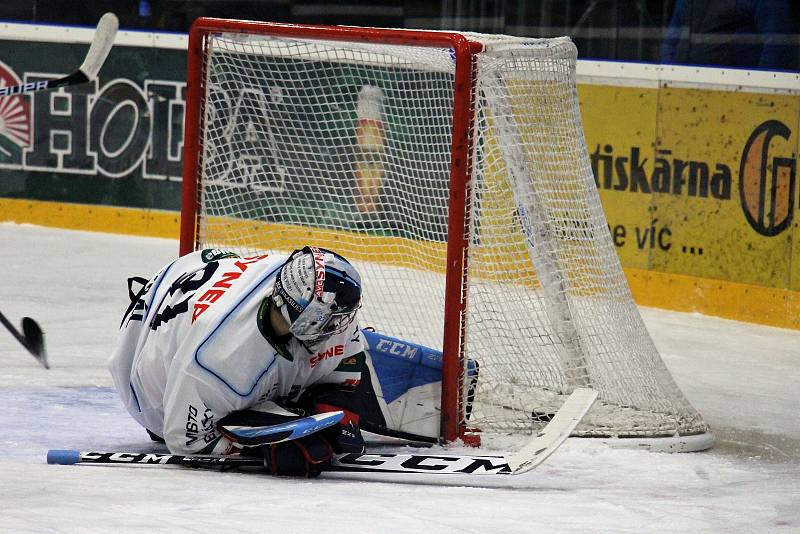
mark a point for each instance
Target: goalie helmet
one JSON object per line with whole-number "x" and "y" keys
{"x": 318, "y": 293}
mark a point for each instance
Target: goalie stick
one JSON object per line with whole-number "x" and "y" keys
{"x": 529, "y": 457}
{"x": 380, "y": 462}
{"x": 31, "y": 338}
{"x": 95, "y": 57}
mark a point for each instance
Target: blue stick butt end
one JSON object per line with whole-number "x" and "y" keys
{"x": 63, "y": 457}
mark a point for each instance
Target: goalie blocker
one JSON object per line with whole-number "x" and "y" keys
{"x": 291, "y": 445}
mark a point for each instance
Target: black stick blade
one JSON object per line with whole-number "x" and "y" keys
{"x": 34, "y": 340}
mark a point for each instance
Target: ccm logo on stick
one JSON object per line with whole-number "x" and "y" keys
{"x": 417, "y": 463}
{"x": 139, "y": 458}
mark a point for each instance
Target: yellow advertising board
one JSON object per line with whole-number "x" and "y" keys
{"x": 619, "y": 124}
{"x": 700, "y": 183}
{"x": 732, "y": 167}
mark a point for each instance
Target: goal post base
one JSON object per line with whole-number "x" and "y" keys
{"x": 695, "y": 443}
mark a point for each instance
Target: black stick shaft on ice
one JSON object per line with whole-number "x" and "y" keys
{"x": 69, "y": 457}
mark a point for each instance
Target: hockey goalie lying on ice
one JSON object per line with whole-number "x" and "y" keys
{"x": 215, "y": 342}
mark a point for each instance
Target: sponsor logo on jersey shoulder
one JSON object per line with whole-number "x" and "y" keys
{"x": 352, "y": 364}
{"x": 214, "y": 254}
{"x": 332, "y": 352}
{"x": 221, "y": 286}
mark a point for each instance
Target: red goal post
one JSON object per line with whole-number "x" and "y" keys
{"x": 452, "y": 168}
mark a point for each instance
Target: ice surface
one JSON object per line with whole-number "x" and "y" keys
{"x": 744, "y": 379}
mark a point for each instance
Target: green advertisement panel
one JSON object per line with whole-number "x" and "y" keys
{"x": 114, "y": 141}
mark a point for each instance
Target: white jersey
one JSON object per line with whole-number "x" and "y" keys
{"x": 192, "y": 350}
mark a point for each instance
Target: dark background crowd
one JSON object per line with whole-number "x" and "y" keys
{"x": 753, "y": 34}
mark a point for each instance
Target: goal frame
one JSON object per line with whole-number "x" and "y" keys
{"x": 452, "y": 426}
{"x": 655, "y": 415}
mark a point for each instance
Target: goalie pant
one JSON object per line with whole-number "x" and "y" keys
{"x": 192, "y": 349}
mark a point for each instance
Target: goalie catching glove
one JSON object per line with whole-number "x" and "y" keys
{"x": 307, "y": 456}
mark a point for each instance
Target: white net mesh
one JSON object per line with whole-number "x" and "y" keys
{"x": 348, "y": 146}
{"x": 570, "y": 319}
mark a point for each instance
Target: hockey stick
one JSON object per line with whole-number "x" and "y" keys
{"x": 533, "y": 454}
{"x": 555, "y": 432}
{"x": 380, "y": 462}
{"x": 31, "y": 338}
{"x": 69, "y": 457}
{"x": 95, "y": 57}
{"x": 526, "y": 459}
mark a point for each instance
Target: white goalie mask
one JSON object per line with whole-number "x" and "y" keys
{"x": 318, "y": 293}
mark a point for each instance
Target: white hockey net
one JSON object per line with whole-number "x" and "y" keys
{"x": 348, "y": 146}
